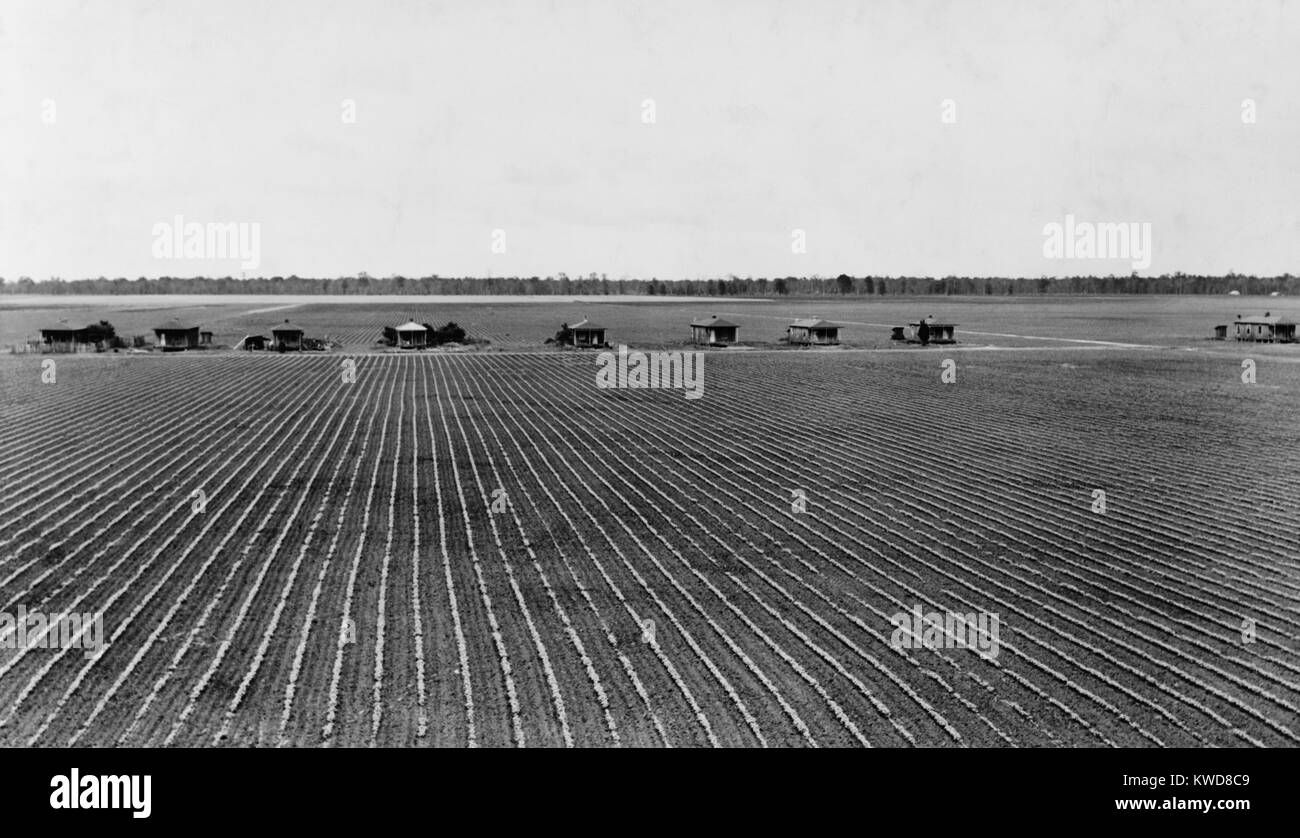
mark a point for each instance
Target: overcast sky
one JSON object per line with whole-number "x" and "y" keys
{"x": 530, "y": 118}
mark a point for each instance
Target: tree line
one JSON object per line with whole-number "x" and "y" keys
{"x": 562, "y": 285}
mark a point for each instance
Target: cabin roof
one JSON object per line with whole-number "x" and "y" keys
{"x": 62, "y": 326}
{"x": 936, "y": 325}
{"x": 586, "y": 325}
{"x": 715, "y": 322}
{"x": 411, "y": 326}
{"x": 174, "y": 325}
{"x": 1274, "y": 320}
{"x": 814, "y": 323}
{"x": 286, "y": 326}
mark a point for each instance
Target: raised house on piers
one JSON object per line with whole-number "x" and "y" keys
{"x": 175, "y": 335}
{"x": 63, "y": 337}
{"x": 412, "y": 335}
{"x": 587, "y": 334}
{"x": 937, "y": 332}
{"x": 713, "y": 332}
{"x": 1269, "y": 329}
{"x": 286, "y": 337}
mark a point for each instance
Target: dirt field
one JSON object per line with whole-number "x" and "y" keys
{"x": 488, "y": 549}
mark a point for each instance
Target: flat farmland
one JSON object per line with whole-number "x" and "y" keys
{"x": 524, "y": 323}
{"x": 487, "y": 549}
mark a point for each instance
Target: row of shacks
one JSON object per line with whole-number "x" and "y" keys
{"x": 714, "y": 331}
{"x": 176, "y": 336}
{"x": 812, "y": 331}
{"x": 64, "y": 337}
{"x": 285, "y": 337}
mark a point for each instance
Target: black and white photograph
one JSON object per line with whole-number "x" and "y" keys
{"x": 394, "y": 375}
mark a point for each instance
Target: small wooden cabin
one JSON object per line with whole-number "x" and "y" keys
{"x": 175, "y": 335}
{"x": 937, "y": 332}
{"x": 813, "y": 332}
{"x": 586, "y": 334}
{"x": 713, "y": 332}
{"x": 286, "y": 337}
{"x": 63, "y": 337}
{"x": 1269, "y": 329}
{"x": 412, "y": 335}
{"x": 1221, "y": 332}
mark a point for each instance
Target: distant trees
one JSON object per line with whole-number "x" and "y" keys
{"x": 842, "y": 285}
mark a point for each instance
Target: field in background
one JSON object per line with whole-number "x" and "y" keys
{"x": 356, "y": 322}
{"x": 347, "y": 581}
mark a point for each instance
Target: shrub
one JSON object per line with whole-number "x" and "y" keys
{"x": 451, "y": 333}
{"x": 101, "y": 333}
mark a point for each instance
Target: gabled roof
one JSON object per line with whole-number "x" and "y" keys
{"x": 174, "y": 325}
{"x": 584, "y": 324}
{"x": 814, "y": 323}
{"x": 715, "y": 322}
{"x": 1274, "y": 320}
{"x": 62, "y": 326}
{"x": 286, "y": 326}
{"x": 411, "y": 326}
{"x": 935, "y": 325}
